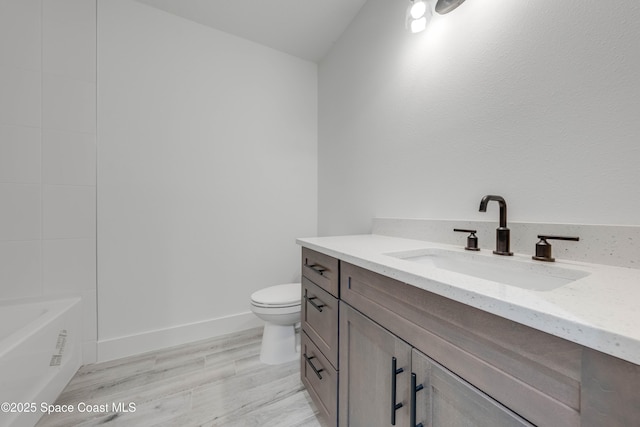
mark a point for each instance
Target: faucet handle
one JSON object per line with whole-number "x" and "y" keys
{"x": 543, "y": 248}
{"x": 472, "y": 239}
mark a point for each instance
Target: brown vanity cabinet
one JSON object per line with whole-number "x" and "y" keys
{"x": 471, "y": 368}
{"x": 387, "y": 382}
{"x": 319, "y": 336}
{"x": 530, "y": 372}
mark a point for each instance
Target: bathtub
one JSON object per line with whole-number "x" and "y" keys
{"x": 39, "y": 353}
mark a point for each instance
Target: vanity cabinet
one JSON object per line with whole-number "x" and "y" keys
{"x": 319, "y": 335}
{"x": 471, "y": 368}
{"x": 534, "y": 374}
{"x": 387, "y": 382}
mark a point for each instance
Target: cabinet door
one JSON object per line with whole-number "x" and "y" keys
{"x": 371, "y": 393}
{"x": 448, "y": 401}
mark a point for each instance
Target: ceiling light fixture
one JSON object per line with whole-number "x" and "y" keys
{"x": 418, "y": 16}
{"x": 419, "y": 12}
{"x": 446, "y": 6}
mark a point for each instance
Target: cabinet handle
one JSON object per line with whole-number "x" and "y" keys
{"x": 317, "y": 268}
{"x": 414, "y": 389}
{"x": 310, "y": 301}
{"x": 394, "y": 372}
{"x": 316, "y": 370}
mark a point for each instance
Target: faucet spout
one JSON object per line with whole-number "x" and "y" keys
{"x": 502, "y": 232}
{"x": 503, "y": 207}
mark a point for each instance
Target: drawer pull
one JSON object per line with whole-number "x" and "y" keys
{"x": 310, "y": 301}
{"x": 394, "y": 373}
{"x": 414, "y": 389}
{"x": 316, "y": 370}
{"x": 317, "y": 268}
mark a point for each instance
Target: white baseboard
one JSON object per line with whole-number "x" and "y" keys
{"x": 89, "y": 352}
{"x": 130, "y": 345}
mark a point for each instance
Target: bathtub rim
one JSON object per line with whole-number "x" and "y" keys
{"x": 60, "y": 305}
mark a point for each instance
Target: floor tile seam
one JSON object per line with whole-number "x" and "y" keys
{"x": 209, "y": 342}
{"x": 98, "y": 368}
{"x": 120, "y": 361}
{"x": 121, "y": 416}
{"x": 280, "y": 382}
{"x": 145, "y": 382}
{"x": 153, "y": 387}
{"x": 89, "y": 386}
{"x": 209, "y": 349}
{"x": 270, "y": 403}
{"x": 90, "y": 382}
{"x": 115, "y": 364}
{"x": 245, "y": 351}
{"x": 164, "y": 364}
{"x": 248, "y": 376}
{"x": 211, "y": 361}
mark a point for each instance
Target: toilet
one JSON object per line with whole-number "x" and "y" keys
{"x": 279, "y": 307}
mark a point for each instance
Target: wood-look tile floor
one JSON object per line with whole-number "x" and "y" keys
{"x": 217, "y": 382}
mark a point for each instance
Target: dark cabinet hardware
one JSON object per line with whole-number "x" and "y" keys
{"x": 394, "y": 373}
{"x": 317, "y": 268}
{"x": 316, "y": 370}
{"x": 472, "y": 239}
{"x": 310, "y": 300}
{"x": 543, "y": 248}
{"x": 414, "y": 389}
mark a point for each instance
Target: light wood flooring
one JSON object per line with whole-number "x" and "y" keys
{"x": 217, "y": 382}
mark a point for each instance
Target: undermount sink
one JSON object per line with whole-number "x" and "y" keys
{"x": 524, "y": 274}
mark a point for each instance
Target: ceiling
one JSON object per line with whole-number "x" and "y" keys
{"x": 303, "y": 28}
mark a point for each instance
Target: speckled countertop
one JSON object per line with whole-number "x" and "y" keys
{"x": 600, "y": 311}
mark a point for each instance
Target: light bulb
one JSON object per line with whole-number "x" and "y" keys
{"x": 418, "y": 9}
{"x": 418, "y": 25}
{"x": 418, "y": 16}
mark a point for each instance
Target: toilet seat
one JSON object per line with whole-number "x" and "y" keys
{"x": 275, "y": 311}
{"x": 279, "y": 296}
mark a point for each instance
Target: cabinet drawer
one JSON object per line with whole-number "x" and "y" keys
{"x": 320, "y": 319}
{"x": 321, "y": 269}
{"x": 320, "y": 379}
{"x": 533, "y": 373}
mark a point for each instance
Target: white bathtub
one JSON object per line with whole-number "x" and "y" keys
{"x": 39, "y": 353}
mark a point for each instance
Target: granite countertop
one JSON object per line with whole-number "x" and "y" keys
{"x": 600, "y": 311}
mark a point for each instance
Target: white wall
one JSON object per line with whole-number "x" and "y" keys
{"x": 47, "y": 153}
{"x": 537, "y": 101}
{"x": 207, "y": 169}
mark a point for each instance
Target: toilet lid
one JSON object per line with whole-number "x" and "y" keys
{"x": 279, "y": 295}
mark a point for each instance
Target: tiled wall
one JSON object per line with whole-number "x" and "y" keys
{"x": 48, "y": 153}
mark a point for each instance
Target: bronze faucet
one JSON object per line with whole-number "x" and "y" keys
{"x": 502, "y": 232}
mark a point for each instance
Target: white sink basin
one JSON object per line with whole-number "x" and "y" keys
{"x": 532, "y": 275}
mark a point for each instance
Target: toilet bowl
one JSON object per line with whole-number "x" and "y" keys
{"x": 279, "y": 307}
